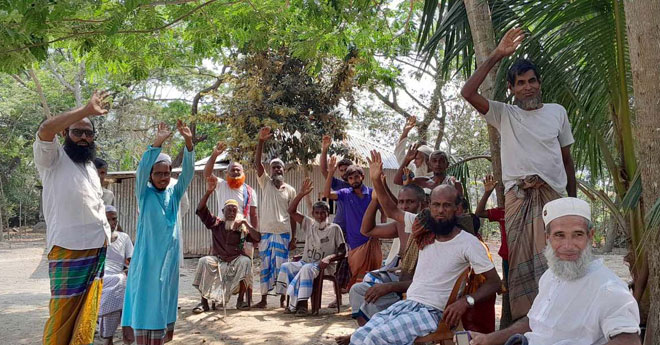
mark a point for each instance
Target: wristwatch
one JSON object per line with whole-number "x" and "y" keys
{"x": 470, "y": 300}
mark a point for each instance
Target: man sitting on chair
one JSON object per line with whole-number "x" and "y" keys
{"x": 221, "y": 273}
{"x": 580, "y": 301}
{"x": 445, "y": 251}
{"x": 324, "y": 243}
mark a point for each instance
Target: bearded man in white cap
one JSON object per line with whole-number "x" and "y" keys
{"x": 580, "y": 301}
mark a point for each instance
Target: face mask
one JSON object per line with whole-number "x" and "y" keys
{"x": 323, "y": 224}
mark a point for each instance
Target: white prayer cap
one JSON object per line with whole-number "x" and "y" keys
{"x": 427, "y": 150}
{"x": 110, "y": 208}
{"x": 276, "y": 160}
{"x": 565, "y": 207}
{"x": 163, "y": 157}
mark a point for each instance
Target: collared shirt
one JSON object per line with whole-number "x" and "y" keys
{"x": 226, "y": 243}
{"x": 72, "y": 199}
{"x": 585, "y": 311}
{"x": 273, "y": 214}
{"x": 354, "y": 209}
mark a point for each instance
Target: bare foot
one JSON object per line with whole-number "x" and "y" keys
{"x": 333, "y": 305}
{"x": 260, "y": 305}
{"x": 343, "y": 339}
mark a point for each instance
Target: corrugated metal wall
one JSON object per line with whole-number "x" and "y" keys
{"x": 196, "y": 238}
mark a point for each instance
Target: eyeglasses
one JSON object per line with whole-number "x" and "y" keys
{"x": 79, "y": 132}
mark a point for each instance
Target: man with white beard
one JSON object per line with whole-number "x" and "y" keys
{"x": 580, "y": 301}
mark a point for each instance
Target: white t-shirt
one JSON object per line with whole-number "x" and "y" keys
{"x": 408, "y": 220}
{"x": 273, "y": 215}
{"x": 321, "y": 243}
{"x": 72, "y": 199}
{"x": 223, "y": 193}
{"x": 531, "y": 142}
{"x": 586, "y": 311}
{"x": 118, "y": 251}
{"x": 441, "y": 263}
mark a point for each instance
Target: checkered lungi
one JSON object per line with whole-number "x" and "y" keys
{"x": 148, "y": 336}
{"x": 296, "y": 279}
{"x": 399, "y": 324}
{"x": 359, "y": 307}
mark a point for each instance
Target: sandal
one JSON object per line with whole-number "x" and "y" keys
{"x": 301, "y": 311}
{"x": 243, "y": 306}
{"x": 200, "y": 308}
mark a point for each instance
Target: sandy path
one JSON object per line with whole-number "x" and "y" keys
{"x": 24, "y": 294}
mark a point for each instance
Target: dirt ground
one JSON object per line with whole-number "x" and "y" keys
{"x": 24, "y": 294}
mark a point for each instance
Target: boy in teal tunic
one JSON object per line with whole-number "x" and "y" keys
{"x": 152, "y": 288}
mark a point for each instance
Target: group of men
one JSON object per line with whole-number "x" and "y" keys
{"x": 558, "y": 293}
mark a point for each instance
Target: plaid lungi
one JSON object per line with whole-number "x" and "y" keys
{"x": 296, "y": 279}
{"x": 148, "y": 336}
{"x": 399, "y": 324}
{"x": 274, "y": 251}
{"x": 75, "y": 294}
{"x": 526, "y": 240}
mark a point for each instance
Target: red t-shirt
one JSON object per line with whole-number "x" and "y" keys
{"x": 497, "y": 215}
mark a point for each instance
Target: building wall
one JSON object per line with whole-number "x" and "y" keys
{"x": 196, "y": 238}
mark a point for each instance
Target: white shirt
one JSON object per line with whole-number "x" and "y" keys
{"x": 586, "y": 311}
{"x": 223, "y": 193}
{"x": 273, "y": 214}
{"x": 531, "y": 142}
{"x": 118, "y": 251}
{"x": 400, "y": 151}
{"x": 108, "y": 197}
{"x": 72, "y": 199}
{"x": 408, "y": 220}
{"x": 441, "y": 263}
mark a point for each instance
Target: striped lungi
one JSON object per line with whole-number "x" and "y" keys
{"x": 274, "y": 251}
{"x": 526, "y": 240}
{"x": 296, "y": 279}
{"x": 75, "y": 294}
{"x": 399, "y": 324}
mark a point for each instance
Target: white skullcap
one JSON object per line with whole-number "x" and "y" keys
{"x": 565, "y": 207}
{"x": 427, "y": 191}
{"x": 276, "y": 160}
{"x": 110, "y": 208}
{"x": 427, "y": 150}
{"x": 163, "y": 157}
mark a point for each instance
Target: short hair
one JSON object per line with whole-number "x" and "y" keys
{"x": 100, "y": 163}
{"x": 353, "y": 169}
{"x": 417, "y": 190}
{"x": 519, "y": 67}
{"x": 345, "y": 161}
{"x": 321, "y": 205}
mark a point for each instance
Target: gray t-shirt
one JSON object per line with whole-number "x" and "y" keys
{"x": 531, "y": 142}
{"x": 321, "y": 243}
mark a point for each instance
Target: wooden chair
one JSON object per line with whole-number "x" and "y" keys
{"x": 444, "y": 334}
{"x": 317, "y": 291}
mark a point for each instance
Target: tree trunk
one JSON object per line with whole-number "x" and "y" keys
{"x": 433, "y": 110}
{"x": 483, "y": 37}
{"x": 644, "y": 49}
{"x": 40, "y": 92}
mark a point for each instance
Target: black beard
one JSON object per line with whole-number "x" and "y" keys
{"x": 77, "y": 153}
{"x": 356, "y": 185}
{"x": 442, "y": 227}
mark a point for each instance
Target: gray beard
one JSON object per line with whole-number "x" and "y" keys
{"x": 569, "y": 270}
{"x": 530, "y": 103}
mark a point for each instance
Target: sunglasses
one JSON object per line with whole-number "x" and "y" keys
{"x": 79, "y": 132}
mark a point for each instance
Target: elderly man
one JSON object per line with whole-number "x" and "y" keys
{"x": 580, "y": 301}
{"x": 229, "y": 267}
{"x": 78, "y": 230}
{"x": 152, "y": 290}
{"x": 537, "y": 166}
{"x": 439, "y": 241}
{"x": 118, "y": 258}
{"x": 438, "y": 163}
{"x": 420, "y": 163}
{"x": 276, "y": 241}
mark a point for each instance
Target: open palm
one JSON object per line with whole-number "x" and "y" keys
{"x": 510, "y": 41}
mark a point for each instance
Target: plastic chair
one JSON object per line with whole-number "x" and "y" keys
{"x": 317, "y": 291}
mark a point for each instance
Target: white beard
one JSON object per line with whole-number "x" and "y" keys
{"x": 323, "y": 224}
{"x": 229, "y": 224}
{"x": 569, "y": 270}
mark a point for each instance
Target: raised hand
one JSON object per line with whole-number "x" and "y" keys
{"x": 219, "y": 148}
{"x": 98, "y": 103}
{"x": 184, "y": 130}
{"x": 211, "y": 183}
{"x": 332, "y": 165}
{"x": 307, "y": 187}
{"x": 489, "y": 183}
{"x": 510, "y": 42}
{"x": 410, "y": 124}
{"x": 411, "y": 154}
{"x": 375, "y": 165}
{"x": 162, "y": 134}
{"x": 265, "y": 133}
{"x": 326, "y": 141}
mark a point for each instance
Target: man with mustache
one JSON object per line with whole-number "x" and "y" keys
{"x": 275, "y": 228}
{"x": 78, "y": 230}
{"x": 537, "y": 166}
{"x": 364, "y": 253}
{"x": 580, "y": 301}
{"x": 439, "y": 240}
{"x": 420, "y": 162}
{"x": 438, "y": 163}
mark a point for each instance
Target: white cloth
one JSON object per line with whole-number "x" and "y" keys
{"x": 223, "y": 193}
{"x": 108, "y": 197}
{"x": 531, "y": 142}
{"x": 408, "y": 220}
{"x": 321, "y": 243}
{"x": 586, "y": 311}
{"x": 118, "y": 251}
{"x": 72, "y": 199}
{"x": 400, "y": 151}
{"x": 273, "y": 214}
{"x": 433, "y": 282}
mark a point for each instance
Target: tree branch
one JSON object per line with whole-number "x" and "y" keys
{"x": 393, "y": 105}
{"x": 40, "y": 92}
{"x": 403, "y": 87}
